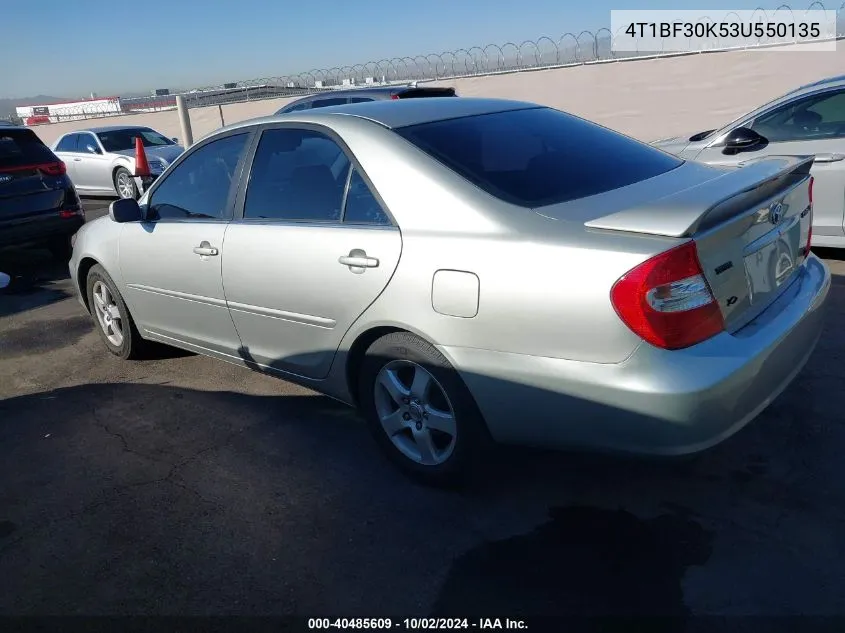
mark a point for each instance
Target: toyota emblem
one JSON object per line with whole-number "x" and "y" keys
{"x": 776, "y": 213}
{"x": 4, "y": 178}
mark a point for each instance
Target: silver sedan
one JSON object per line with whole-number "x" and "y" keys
{"x": 467, "y": 270}
{"x": 808, "y": 121}
{"x": 101, "y": 160}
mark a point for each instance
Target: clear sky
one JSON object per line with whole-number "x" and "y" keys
{"x": 69, "y": 48}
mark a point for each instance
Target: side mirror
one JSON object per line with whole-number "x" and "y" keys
{"x": 125, "y": 210}
{"x": 743, "y": 138}
{"x": 175, "y": 140}
{"x": 4, "y": 280}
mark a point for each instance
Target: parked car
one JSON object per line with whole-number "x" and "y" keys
{"x": 472, "y": 269}
{"x": 38, "y": 203}
{"x": 101, "y": 160}
{"x": 809, "y": 120}
{"x": 362, "y": 95}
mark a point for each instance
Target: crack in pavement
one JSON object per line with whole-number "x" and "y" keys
{"x": 109, "y": 494}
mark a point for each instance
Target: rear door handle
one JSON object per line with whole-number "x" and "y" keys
{"x": 77, "y": 160}
{"x": 205, "y": 249}
{"x": 357, "y": 258}
{"x": 829, "y": 158}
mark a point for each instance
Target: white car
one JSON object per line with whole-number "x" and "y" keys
{"x": 101, "y": 160}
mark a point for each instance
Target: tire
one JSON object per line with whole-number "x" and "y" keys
{"x": 132, "y": 192}
{"x": 401, "y": 355}
{"x": 129, "y": 344}
{"x": 61, "y": 249}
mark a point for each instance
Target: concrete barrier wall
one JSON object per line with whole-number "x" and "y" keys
{"x": 646, "y": 98}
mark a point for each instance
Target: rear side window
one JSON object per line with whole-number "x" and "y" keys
{"x": 23, "y": 147}
{"x": 538, "y": 156}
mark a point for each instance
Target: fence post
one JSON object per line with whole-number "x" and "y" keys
{"x": 184, "y": 122}
{"x": 220, "y": 110}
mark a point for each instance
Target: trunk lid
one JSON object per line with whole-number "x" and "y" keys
{"x": 22, "y": 158}
{"x": 750, "y": 225}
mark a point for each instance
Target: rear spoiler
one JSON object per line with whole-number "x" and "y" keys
{"x": 689, "y": 211}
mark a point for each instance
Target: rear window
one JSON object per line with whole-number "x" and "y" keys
{"x": 538, "y": 156}
{"x": 414, "y": 93}
{"x": 22, "y": 147}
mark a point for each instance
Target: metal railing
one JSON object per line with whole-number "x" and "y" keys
{"x": 545, "y": 52}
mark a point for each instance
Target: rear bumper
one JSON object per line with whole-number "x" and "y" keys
{"x": 38, "y": 230}
{"x": 657, "y": 402}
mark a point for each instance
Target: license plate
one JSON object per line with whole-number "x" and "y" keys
{"x": 771, "y": 266}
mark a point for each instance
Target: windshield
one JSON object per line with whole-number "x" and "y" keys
{"x": 538, "y": 156}
{"x": 118, "y": 140}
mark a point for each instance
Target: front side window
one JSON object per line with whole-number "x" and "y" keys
{"x": 119, "y": 140}
{"x": 538, "y": 156}
{"x": 87, "y": 144}
{"x": 811, "y": 118}
{"x": 297, "y": 175}
{"x": 199, "y": 186}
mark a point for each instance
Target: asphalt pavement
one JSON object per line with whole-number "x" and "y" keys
{"x": 184, "y": 485}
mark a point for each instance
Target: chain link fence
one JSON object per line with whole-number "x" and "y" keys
{"x": 545, "y": 52}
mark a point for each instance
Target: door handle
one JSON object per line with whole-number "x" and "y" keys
{"x": 77, "y": 160}
{"x": 205, "y": 249}
{"x": 829, "y": 158}
{"x": 357, "y": 258}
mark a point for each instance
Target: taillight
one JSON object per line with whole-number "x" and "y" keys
{"x": 71, "y": 213}
{"x": 53, "y": 169}
{"x": 394, "y": 96}
{"x": 666, "y": 300}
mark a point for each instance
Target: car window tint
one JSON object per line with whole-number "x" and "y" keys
{"x": 68, "y": 143}
{"x": 538, "y": 156}
{"x": 86, "y": 140}
{"x": 362, "y": 207}
{"x": 198, "y": 187}
{"x": 810, "y": 118}
{"x": 322, "y": 103}
{"x": 297, "y": 175}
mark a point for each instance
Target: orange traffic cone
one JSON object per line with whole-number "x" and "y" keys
{"x": 142, "y": 167}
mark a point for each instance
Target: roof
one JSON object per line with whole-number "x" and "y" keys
{"x": 820, "y": 82}
{"x": 397, "y": 114}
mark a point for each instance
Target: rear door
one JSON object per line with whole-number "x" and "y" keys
{"x": 31, "y": 182}
{"x": 313, "y": 248}
{"x": 92, "y": 166}
{"x": 810, "y": 125}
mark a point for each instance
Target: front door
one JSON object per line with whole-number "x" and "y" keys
{"x": 171, "y": 263}
{"x": 813, "y": 125}
{"x": 94, "y": 168}
{"x": 313, "y": 250}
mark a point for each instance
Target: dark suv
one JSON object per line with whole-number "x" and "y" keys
{"x": 39, "y": 205}
{"x": 358, "y": 95}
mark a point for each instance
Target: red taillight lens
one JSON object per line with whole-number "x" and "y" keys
{"x": 394, "y": 96}
{"x": 71, "y": 213}
{"x": 666, "y": 300}
{"x": 56, "y": 168}
{"x": 53, "y": 169}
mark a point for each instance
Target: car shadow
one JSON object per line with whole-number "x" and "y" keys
{"x": 36, "y": 280}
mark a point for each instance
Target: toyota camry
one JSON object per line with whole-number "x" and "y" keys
{"x": 472, "y": 271}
